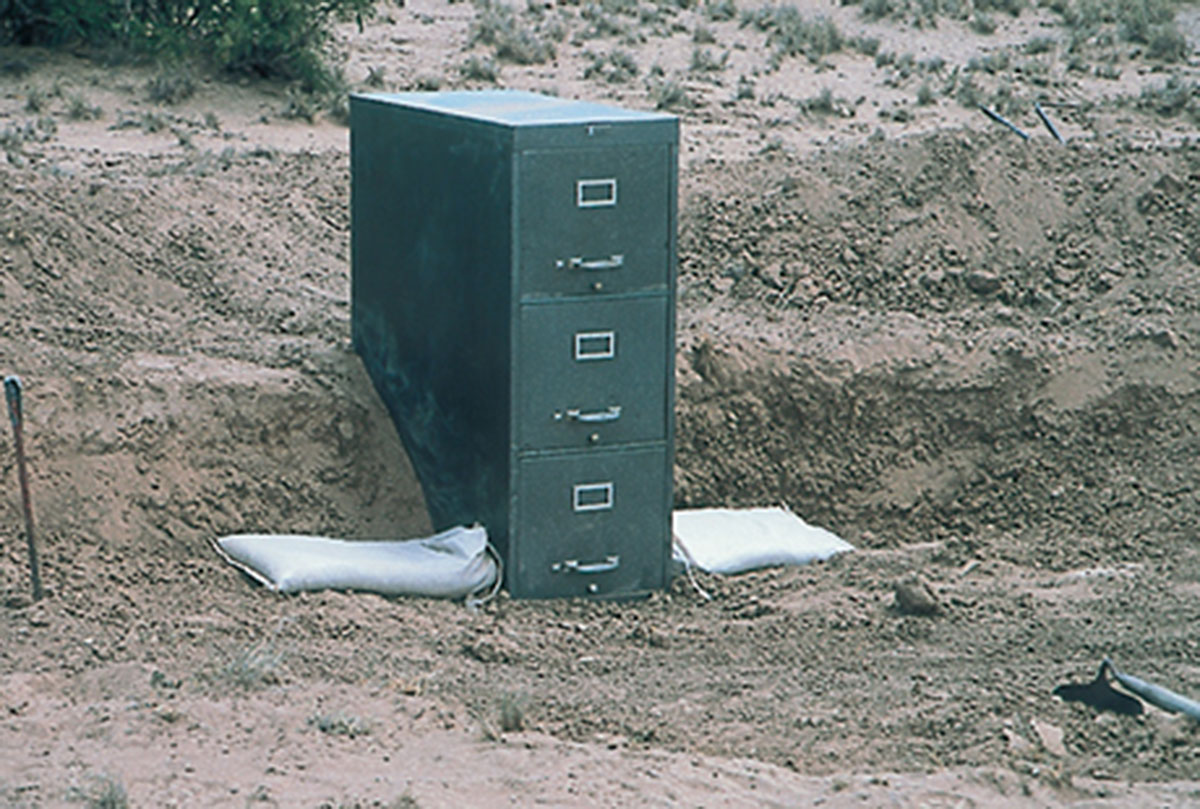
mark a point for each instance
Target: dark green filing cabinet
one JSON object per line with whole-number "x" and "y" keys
{"x": 513, "y": 275}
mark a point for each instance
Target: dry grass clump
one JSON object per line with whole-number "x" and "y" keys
{"x": 669, "y": 94}
{"x": 340, "y": 724}
{"x": 104, "y": 792}
{"x": 171, "y": 85}
{"x": 719, "y": 10}
{"x": 790, "y": 33}
{"x": 1146, "y": 22}
{"x": 80, "y": 109}
{"x": 1175, "y": 96}
{"x": 498, "y": 26}
{"x": 477, "y": 68}
{"x": 703, "y": 61}
{"x": 1040, "y": 45}
{"x": 616, "y": 67}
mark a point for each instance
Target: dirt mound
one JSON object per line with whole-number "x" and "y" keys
{"x": 951, "y": 334}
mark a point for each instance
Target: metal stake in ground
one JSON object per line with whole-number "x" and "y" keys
{"x": 12, "y": 394}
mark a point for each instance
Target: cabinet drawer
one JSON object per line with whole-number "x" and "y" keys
{"x": 591, "y": 524}
{"x": 593, "y": 220}
{"x": 592, "y": 373}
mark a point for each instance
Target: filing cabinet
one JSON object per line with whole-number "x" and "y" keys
{"x": 512, "y": 293}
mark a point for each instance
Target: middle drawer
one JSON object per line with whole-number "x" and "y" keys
{"x": 592, "y": 373}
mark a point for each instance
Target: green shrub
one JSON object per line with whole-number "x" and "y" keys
{"x": 282, "y": 39}
{"x": 476, "y": 69}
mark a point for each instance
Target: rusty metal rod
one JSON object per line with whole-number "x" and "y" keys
{"x": 1049, "y": 124}
{"x": 1000, "y": 119}
{"x": 12, "y": 395}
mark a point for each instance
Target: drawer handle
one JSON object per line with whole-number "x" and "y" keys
{"x": 592, "y": 496}
{"x": 575, "y": 566}
{"x": 596, "y": 416}
{"x": 595, "y": 345}
{"x": 613, "y": 262}
{"x": 596, "y": 193}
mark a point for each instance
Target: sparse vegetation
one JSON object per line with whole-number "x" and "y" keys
{"x": 171, "y": 85}
{"x": 80, "y": 109}
{"x": 703, "y": 35}
{"x": 720, "y": 10}
{"x": 1167, "y": 44}
{"x": 35, "y": 100}
{"x": 1039, "y": 45}
{"x": 255, "y": 665}
{"x": 925, "y": 95}
{"x": 512, "y": 714}
{"x": 745, "y": 89}
{"x": 703, "y": 61}
{"x": 983, "y": 24}
{"x": 868, "y": 46}
{"x": 497, "y": 25}
{"x": 429, "y": 82}
{"x": 340, "y": 724}
{"x": 104, "y": 792}
{"x": 669, "y": 95}
{"x": 789, "y": 33}
{"x": 375, "y": 76}
{"x": 617, "y": 67}
{"x": 479, "y": 69}
{"x": 1175, "y": 96}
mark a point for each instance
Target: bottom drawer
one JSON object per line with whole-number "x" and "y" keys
{"x": 593, "y": 524}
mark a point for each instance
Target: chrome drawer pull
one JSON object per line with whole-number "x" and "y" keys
{"x": 614, "y": 262}
{"x": 575, "y": 566}
{"x": 592, "y": 496}
{"x": 596, "y": 417}
{"x": 596, "y": 193}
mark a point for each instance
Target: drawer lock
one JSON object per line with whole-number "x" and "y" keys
{"x": 607, "y": 565}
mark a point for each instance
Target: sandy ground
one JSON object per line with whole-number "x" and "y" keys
{"x": 973, "y": 357}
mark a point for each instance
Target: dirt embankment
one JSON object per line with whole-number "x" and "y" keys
{"x": 947, "y": 336}
{"x": 959, "y": 339}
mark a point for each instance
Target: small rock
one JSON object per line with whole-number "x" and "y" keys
{"x": 915, "y": 597}
{"x": 1051, "y": 737}
{"x": 982, "y": 282}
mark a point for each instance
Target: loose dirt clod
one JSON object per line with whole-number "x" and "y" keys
{"x": 914, "y": 596}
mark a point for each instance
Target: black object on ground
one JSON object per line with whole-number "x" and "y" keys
{"x": 12, "y": 395}
{"x": 1100, "y": 694}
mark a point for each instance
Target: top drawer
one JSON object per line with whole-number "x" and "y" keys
{"x": 593, "y": 220}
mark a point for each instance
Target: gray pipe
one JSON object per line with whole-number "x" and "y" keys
{"x": 1156, "y": 695}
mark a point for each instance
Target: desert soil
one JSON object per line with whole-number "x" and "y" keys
{"x": 972, "y": 356}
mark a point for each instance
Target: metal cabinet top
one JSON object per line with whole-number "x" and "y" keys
{"x": 536, "y": 117}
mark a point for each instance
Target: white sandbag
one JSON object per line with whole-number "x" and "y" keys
{"x": 722, "y": 540}
{"x": 452, "y": 564}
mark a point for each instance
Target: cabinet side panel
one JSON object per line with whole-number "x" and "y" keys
{"x": 430, "y": 242}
